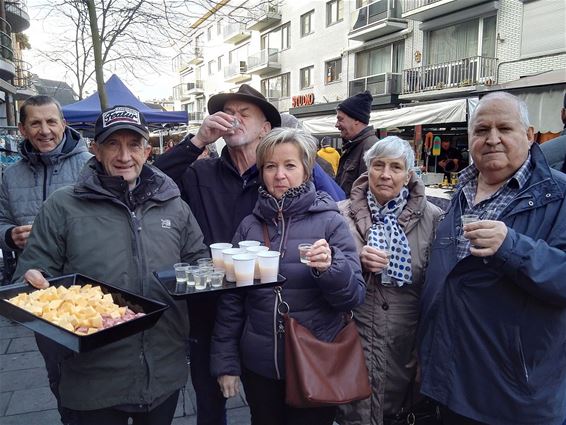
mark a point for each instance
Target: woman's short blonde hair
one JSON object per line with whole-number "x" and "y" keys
{"x": 279, "y": 135}
{"x": 391, "y": 147}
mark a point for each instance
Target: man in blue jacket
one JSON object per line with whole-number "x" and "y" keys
{"x": 493, "y": 324}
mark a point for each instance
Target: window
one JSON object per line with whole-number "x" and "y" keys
{"x": 306, "y": 23}
{"x": 219, "y": 27}
{"x": 306, "y": 77}
{"x": 543, "y": 28}
{"x": 333, "y": 70}
{"x": 211, "y": 67}
{"x": 199, "y": 40}
{"x": 277, "y": 39}
{"x": 334, "y": 11}
{"x": 276, "y": 87}
{"x": 209, "y": 33}
{"x": 220, "y": 63}
{"x": 463, "y": 40}
{"x": 379, "y": 60}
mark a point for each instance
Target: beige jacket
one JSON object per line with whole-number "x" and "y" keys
{"x": 387, "y": 320}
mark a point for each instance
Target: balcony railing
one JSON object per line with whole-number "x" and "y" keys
{"x": 22, "y": 79}
{"x": 235, "y": 32}
{"x": 196, "y": 116}
{"x": 17, "y": 15}
{"x": 266, "y": 60}
{"x": 263, "y": 16}
{"x": 424, "y": 10}
{"x": 194, "y": 56}
{"x": 180, "y": 91}
{"x": 409, "y": 5}
{"x": 459, "y": 73}
{"x": 180, "y": 62}
{"x": 236, "y": 72}
{"x": 195, "y": 87}
{"x": 378, "y": 85}
{"x": 375, "y": 20}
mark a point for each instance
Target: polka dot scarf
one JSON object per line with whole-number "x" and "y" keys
{"x": 386, "y": 233}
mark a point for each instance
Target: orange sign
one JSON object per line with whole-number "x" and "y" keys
{"x": 303, "y": 100}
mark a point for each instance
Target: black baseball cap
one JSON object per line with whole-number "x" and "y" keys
{"x": 119, "y": 117}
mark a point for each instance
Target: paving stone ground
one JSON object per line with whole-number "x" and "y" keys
{"x": 25, "y": 398}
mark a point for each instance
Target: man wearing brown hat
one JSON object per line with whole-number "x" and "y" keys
{"x": 220, "y": 192}
{"x": 118, "y": 223}
{"x": 352, "y": 119}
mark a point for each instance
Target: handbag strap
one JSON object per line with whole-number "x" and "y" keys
{"x": 266, "y": 235}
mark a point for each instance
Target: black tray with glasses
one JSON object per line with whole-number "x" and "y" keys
{"x": 151, "y": 309}
{"x": 167, "y": 279}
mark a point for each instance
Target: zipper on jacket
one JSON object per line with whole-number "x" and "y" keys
{"x": 279, "y": 310}
{"x": 44, "y": 182}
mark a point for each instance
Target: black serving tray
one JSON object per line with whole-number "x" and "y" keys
{"x": 82, "y": 343}
{"x": 167, "y": 279}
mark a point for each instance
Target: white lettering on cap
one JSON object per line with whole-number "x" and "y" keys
{"x": 121, "y": 115}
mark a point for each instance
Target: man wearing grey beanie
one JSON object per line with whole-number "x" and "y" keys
{"x": 352, "y": 119}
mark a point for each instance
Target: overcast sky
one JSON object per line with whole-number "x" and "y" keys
{"x": 151, "y": 87}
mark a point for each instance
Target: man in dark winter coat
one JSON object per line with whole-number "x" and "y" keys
{"x": 122, "y": 220}
{"x": 352, "y": 119}
{"x": 493, "y": 307}
{"x": 221, "y": 192}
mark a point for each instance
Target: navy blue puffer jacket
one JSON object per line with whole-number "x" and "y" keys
{"x": 246, "y": 322}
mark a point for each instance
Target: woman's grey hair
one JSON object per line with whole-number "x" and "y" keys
{"x": 391, "y": 147}
{"x": 279, "y": 135}
{"x": 520, "y": 103}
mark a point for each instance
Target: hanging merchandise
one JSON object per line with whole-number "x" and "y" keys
{"x": 436, "y": 146}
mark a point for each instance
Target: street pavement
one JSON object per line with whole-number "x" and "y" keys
{"x": 25, "y": 397}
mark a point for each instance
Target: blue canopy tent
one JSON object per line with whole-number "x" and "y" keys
{"x": 83, "y": 114}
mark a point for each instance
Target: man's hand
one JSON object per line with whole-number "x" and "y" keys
{"x": 373, "y": 259}
{"x": 36, "y": 279}
{"x": 486, "y": 236}
{"x": 20, "y": 235}
{"x": 212, "y": 128}
{"x": 229, "y": 385}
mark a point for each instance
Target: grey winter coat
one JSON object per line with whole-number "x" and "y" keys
{"x": 387, "y": 320}
{"x": 27, "y": 183}
{"x": 88, "y": 229}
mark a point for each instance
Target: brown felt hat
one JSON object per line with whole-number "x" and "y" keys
{"x": 246, "y": 93}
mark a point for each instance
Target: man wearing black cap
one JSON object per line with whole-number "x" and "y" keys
{"x": 221, "y": 192}
{"x": 352, "y": 119}
{"x": 122, "y": 220}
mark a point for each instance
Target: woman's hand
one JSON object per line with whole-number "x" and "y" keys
{"x": 320, "y": 255}
{"x": 36, "y": 279}
{"x": 229, "y": 385}
{"x": 373, "y": 259}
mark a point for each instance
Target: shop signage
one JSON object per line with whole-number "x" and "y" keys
{"x": 303, "y": 100}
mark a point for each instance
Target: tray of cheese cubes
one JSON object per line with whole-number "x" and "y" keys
{"x": 79, "y": 312}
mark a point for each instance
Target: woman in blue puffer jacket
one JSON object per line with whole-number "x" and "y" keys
{"x": 247, "y": 340}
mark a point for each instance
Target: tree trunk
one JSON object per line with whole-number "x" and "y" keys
{"x": 97, "y": 50}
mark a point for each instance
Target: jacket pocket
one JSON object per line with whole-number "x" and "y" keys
{"x": 517, "y": 364}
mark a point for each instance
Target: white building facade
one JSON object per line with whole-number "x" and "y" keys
{"x": 306, "y": 56}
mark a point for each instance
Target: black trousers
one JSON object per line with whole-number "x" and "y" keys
{"x": 266, "y": 398}
{"x": 160, "y": 415}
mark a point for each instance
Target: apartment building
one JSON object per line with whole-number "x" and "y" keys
{"x": 15, "y": 76}
{"x": 425, "y": 61}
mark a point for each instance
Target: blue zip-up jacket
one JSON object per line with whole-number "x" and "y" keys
{"x": 493, "y": 330}
{"x": 246, "y": 324}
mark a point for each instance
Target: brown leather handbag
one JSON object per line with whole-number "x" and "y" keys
{"x": 319, "y": 373}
